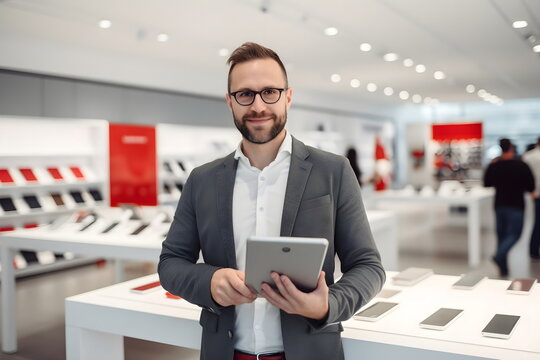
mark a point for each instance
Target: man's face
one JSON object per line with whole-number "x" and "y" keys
{"x": 259, "y": 122}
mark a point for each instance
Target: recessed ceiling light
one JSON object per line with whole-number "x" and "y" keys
{"x": 470, "y": 88}
{"x": 417, "y": 99}
{"x": 223, "y": 52}
{"x": 390, "y": 57}
{"x": 482, "y": 92}
{"x": 420, "y": 68}
{"x": 162, "y": 37}
{"x": 403, "y": 95}
{"x": 536, "y": 48}
{"x": 427, "y": 100}
{"x": 355, "y": 83}
{"x": 104, "y": 24}
{"x": 408, "y": 62}
{"x": 388, "y": 91}
{"x": 371, "y": 87}
{"x": 520, "y": 24}
{"x": 330, "y": 31}
{"x": 531, "y": 38}
{"x": 439, "y": 75}
{"x": 365, "y": 47}
{"x": 335, "y": 78}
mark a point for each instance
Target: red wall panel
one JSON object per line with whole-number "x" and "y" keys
{"x": 133, "y": 172}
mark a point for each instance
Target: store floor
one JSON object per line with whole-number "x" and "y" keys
{"x": 40, "y": 299}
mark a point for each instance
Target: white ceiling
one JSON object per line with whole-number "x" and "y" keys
{"x": 471, "y": 41}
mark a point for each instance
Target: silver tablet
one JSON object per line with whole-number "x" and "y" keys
{"x": 301, "y": 259}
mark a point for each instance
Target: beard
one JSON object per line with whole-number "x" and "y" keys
{"x": 259, "y": 136}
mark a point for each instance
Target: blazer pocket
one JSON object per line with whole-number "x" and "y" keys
{"x": 331, "y": 328}
{"x": 209, "y": 321}
{"x": 315, "y": 203}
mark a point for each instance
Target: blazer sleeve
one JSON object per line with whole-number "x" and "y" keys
{"x": 179, "y": 272}
{"x": 363, "y": 273}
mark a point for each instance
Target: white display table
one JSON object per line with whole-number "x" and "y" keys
{"x": 474, "y": 202}
{"x": 97, "y": 321}
{"x": 107, "y": 246}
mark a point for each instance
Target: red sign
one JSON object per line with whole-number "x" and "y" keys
{"x": 133, "y": 172}
{"x": 449, "y": 132}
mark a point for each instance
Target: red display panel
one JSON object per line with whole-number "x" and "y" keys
{"x": 77, "y": 172}
{"x": 464, "y": 131}
{"x": 5, "y": 176}
{"x": 28, "y": 174}
{"x": 132, "y": 165}
{"x": 55, "y": 173}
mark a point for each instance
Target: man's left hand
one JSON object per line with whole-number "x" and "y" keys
{"x": 313, "y": 305}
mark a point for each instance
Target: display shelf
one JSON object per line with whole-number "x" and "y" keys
{"x": 35, "y": 269}
{"x": 50, "y": 168}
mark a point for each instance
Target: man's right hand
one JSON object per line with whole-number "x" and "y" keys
{"x": 228, "y": 288}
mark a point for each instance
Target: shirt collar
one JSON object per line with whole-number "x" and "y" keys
{"x": 286, "y": 147}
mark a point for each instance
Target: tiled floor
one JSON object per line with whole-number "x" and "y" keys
{"x": 442, "y": 246}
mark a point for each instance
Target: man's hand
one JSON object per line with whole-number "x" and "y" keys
{"x": 228, "y": 288}
{"x": 313, "y": 305}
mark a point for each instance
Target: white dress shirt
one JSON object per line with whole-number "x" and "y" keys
{"x": 532, "y": 158}
{"x": 257, "y": 209}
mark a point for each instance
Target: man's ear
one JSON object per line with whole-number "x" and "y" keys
{"x": 288, "y": 97}
{"x": 228, "y": 99}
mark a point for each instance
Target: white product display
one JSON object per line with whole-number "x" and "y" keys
{"x": 97, "y": 321}
{"x": 65, "y": 235}
{"x": 474, "y": 201}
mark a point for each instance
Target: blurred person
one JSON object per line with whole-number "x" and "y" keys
{"x": 532, "y": 158}
{"x": 353, "y": 160}
{"x": 511, "y": 178}
{"x": 272, "y": 185}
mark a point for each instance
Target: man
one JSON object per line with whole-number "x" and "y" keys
{"x": 532, "y": 158}
{"x": 511, "y": 178}
{"x": 273, "y": 185}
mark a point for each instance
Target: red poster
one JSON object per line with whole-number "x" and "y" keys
{"x": 133, "y": 173}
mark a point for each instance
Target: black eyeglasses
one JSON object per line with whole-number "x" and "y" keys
{"x": 247, "y": 97}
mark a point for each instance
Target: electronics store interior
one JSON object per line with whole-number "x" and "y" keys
{"x": 109, "y": 108}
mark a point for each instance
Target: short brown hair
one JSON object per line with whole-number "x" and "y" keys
{"x": 252, "y": 51}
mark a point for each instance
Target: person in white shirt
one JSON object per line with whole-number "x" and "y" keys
{"x": 272, "y": 185}
{"x": 532, "y": 158}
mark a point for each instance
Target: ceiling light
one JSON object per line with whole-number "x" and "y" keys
{"x": 417, "y": 99}
{"x": 435, "y": 102}
{"x": 439, "y": 75}
{"x": 104, "y": 24}
{"x": 335, "y": 78}
{"x": 223, "y": 52}
{"x": 520, "y": 24}
{"x": 408, "y": 62}
{"x": 482, "y": 92}
{"x": 371, "y": 87}
{"x": 365, "y": 47}
{"x": 162, "y": 37}
{"x": 388, "y": 91}
{"x": 420, "y": 68}
{"x": 330, "y": 31}
{"x": 536, "y": 48}
{"x": 403, "y": 95}
{"x": 390, "y": 57}
{"x": 427, "y": 100}
{"x": 470, "y": 88}
{"x": 355, "y": 83}
{"x": 531, "y": 38}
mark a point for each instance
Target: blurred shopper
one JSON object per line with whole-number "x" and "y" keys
{"x": 272, "y": 185}
{"x": 353, "y": 159}
{"x": 532, "y": 158}
{"x": 511, "y": 178}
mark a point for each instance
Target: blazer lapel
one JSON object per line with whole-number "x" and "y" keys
{"x": 225, "y": 179}
{"x": 299, "y": 172}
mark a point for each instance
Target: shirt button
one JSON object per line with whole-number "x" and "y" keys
{"x": 230, "y": 333}
{"x": 263, "y": 178}
{"x": 257, "y": 327}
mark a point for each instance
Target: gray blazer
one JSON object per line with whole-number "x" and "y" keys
{"x": 322, "y": 199}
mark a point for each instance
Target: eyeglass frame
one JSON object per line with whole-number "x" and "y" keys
{"x": 255, "y": 93}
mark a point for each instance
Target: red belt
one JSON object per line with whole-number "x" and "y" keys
{"x": 243, "y": 356}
